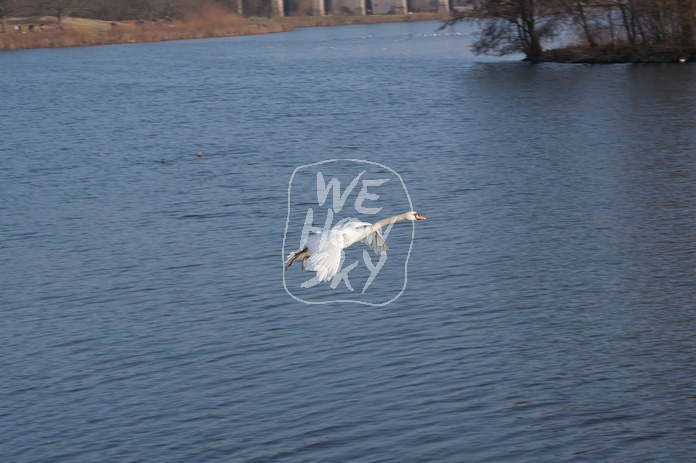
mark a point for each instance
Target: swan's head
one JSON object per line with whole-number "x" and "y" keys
{"x": 413, "y": 215}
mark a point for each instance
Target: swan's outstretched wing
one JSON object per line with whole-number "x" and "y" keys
{"x": 376, "y": 241}
{"x": 325, "y": 249}
{"x": 360, "y": 231}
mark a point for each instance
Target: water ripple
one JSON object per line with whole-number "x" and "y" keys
{"x": 549, "y": 311}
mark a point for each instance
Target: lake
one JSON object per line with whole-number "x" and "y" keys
{"x": 548, "y": 310}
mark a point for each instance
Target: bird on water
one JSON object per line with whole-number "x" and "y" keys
{"x": 323, "y": 250}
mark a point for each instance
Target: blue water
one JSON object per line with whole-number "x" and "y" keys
{"x": 549, "y": 310}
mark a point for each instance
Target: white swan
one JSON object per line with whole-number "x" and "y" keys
{"x": 324, "y": 249}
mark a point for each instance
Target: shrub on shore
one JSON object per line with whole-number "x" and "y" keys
{"x": 608, "y": 54}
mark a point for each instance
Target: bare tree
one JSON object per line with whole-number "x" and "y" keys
{"x": 657, "y": 22}
{"x": 7, "y": 8}
{"x": 512, "y": 26}
{"x": 686, "y": 9}
{"x": 586, "y": 15}
{"x": 60, "y": 8}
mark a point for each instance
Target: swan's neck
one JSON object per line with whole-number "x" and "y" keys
{"x": 389, "y": 220}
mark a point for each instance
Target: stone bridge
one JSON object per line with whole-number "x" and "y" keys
{"x": 324, "y": 7}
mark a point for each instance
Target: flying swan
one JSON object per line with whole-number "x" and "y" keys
{"x": 324, "y": 248}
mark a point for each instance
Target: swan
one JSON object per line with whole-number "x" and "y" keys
{"x": 323, "y": 250}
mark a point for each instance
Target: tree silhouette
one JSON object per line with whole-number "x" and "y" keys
{"x": 512, "y": 26}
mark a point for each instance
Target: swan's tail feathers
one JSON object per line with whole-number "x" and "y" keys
{"x": 296, "y": 255}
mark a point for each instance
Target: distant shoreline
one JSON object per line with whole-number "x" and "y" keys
{"x": 80, "y": 32}
{"x": 619, "y": 54}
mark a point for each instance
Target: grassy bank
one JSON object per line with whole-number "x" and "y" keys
{"x": 77, "y": 32}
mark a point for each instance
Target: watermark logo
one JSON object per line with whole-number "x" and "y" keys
{"x": 341, "y": 215}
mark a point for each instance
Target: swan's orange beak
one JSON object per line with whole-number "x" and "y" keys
{"x": 419, "y": 217}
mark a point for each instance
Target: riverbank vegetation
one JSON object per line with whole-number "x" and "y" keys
{"x": 588, "y": 31}
{"x": 72, "y": 23}
{"x": 74, "y": 32}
